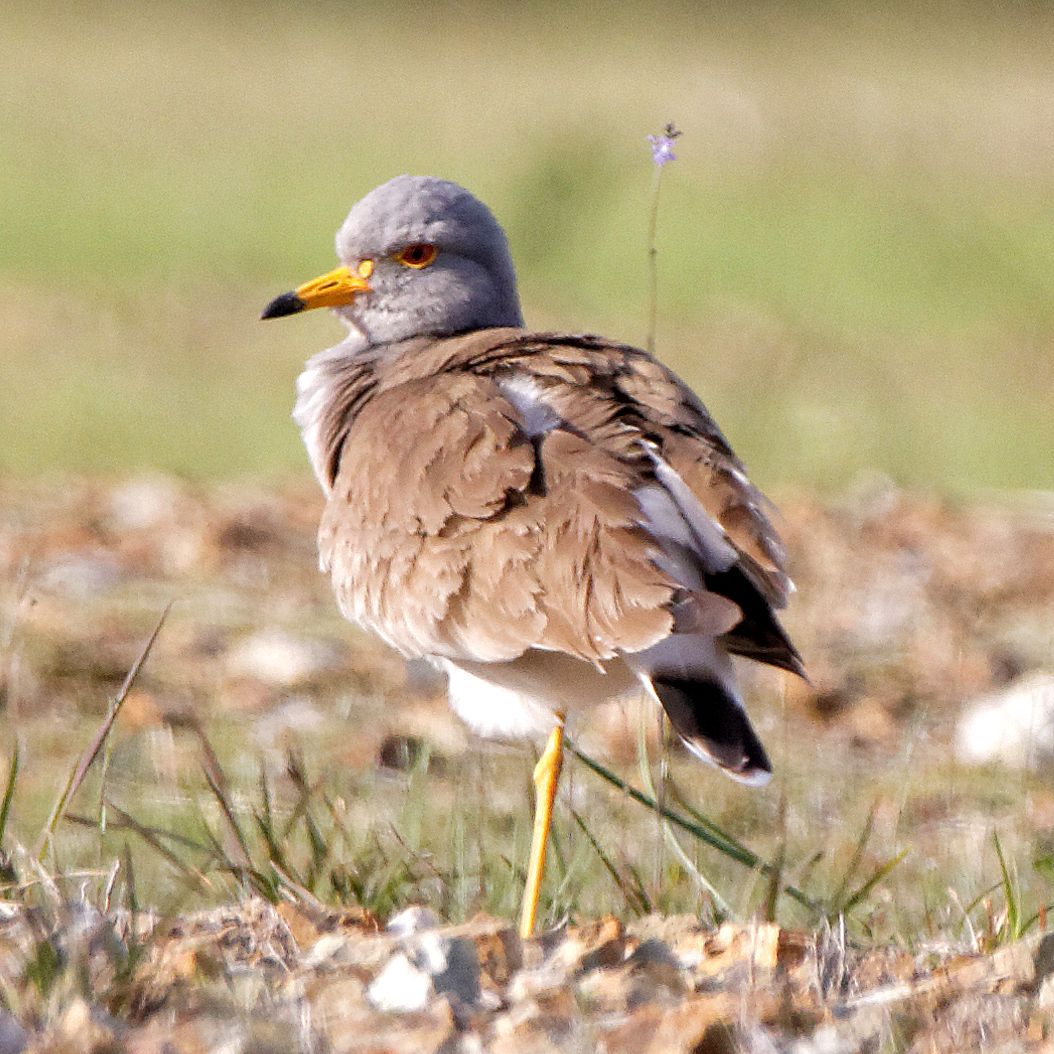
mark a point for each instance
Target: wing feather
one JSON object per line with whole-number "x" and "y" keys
{"x": 466, "y": 523}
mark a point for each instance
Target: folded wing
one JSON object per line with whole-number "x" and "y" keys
{"x": 507, "y": 491}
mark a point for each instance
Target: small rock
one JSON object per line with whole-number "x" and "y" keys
{"x": 1045, "y": 1000}
{"x": 452, "y": 964}
{"x": 361, "y": 951}
{"x": 668, "y": 929}
{"x": 650, "y": 975}
{"x": 698, "y": 1026}
{"x": 143, "y": 503}
{"x": 401, "y": 987}
{"x": 654, "y": 968}
{"x": 546, "y": 1026}
{"x": 413, "y": 919}
{"x": 592, "y": 945}
{"x": 291, "y": 716}
{"x": 538, "y": 982}
{"x": 433, "y": 963}
{"x": 498, "y": 948}
{"x": 305, "y": 929}
{"x": 975, "y": 1021}
{"x": 1014, "y": 726}
{"x": 348, "y": 1024}
{"x": 83, "y": 576}
{"x": 308, "y": 925}
{"x": 12, "y": 1035}
{"x": 278, "y": 658}
{"x": 81, "y": 1030}
{"x": 825, "y": 1040}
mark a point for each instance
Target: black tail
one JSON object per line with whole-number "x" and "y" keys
{"x": 714, "y": 726}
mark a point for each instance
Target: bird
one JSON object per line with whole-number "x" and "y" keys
{"x": 551, "y": 519}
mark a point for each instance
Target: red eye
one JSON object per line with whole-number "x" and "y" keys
{"x": 418, "y": 255}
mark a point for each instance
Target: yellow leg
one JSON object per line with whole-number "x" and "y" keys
{"x": 546, "y": 777}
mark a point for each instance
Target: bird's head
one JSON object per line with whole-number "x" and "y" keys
{"x": 418, "y": 256}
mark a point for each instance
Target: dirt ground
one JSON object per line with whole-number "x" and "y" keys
{"x": 909, "y": 610}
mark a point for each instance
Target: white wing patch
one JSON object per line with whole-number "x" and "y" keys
{"x": 527, "y": 398}
{"x": 674, "y": 517}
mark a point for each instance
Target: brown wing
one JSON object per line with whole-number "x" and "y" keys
{"x": 452, "y": 531}
{"x": 488, "y": 501}
{"x": 654, "y": 402}
{"x": 642, "y": 398}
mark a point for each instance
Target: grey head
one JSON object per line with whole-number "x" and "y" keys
{"x": 419, "y": 255}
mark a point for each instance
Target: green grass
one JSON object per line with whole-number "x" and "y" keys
{"x": 196, "y": 816}
{"x": 857, "y": 249}
{"x": 385, "y": 840}
{"x": 856, "y": 270}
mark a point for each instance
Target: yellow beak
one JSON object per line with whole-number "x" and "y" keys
{"x": 334, "y": 289}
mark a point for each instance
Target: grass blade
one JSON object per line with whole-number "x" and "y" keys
{"x": 131, "y": 891}
{"x": 854, "y": 861}
{"x": 635, "y": 898}
{"x": 150, "y": 836}
{"x": 668, "y": 837}
{"x": 87, "y": 759}
{"x": 9, "y": 791}
{"x": 122, "y": 825}
{"x": 879, "y": 874}
{"x": 709, "y": 833}
{"x": 241, "y": 849}
{"x": 1011, "y": 895}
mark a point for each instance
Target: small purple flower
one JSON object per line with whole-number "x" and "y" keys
{"x": 661, "y": 149}
{"x": 662, "y": 145}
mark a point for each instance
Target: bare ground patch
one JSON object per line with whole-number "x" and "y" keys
{"x": 277, "y": 789}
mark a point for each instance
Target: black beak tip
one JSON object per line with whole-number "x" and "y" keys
{"x": 286, "y": 304}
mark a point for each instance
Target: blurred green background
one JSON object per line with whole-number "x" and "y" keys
{"x": 856, "y": 242}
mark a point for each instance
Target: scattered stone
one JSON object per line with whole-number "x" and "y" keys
{"x": 589, "y": 946}
{"x": 144, "y": 503}
{"x": 402, "y": 986}
{"x": 351, "y": 1027}
{"x": 959, "y": 606}
{"x": 82, "y": 1029}
{"x": 499, "y": 949}
{"x": 276, "y": 657}
{"x": 975, "y": 1022}
{"x": 13, "y": 1036}
{"x": 825, "y": 1040}
{"x": 268, "y": 979}
{"x": 351, "y": 950}
{"x": 433, "y": 963}
{"x": 699, "y": 1026}
{"x": 539, "y": 1026}
{"x": 304, "y": 927}
{"x": 83, "y": 577}
{"x": 289, "y": 717}
{"x": 1014, "y": 727}
{"x": 1045, "y": 1001}
{"x": 413, "y": 919}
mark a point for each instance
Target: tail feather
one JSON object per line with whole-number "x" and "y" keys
{"x": 713, "y": 725}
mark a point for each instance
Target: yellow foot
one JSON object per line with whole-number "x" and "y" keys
{"x": 546, "y": 777}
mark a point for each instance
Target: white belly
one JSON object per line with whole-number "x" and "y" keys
{"x": 521, "y": 699}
